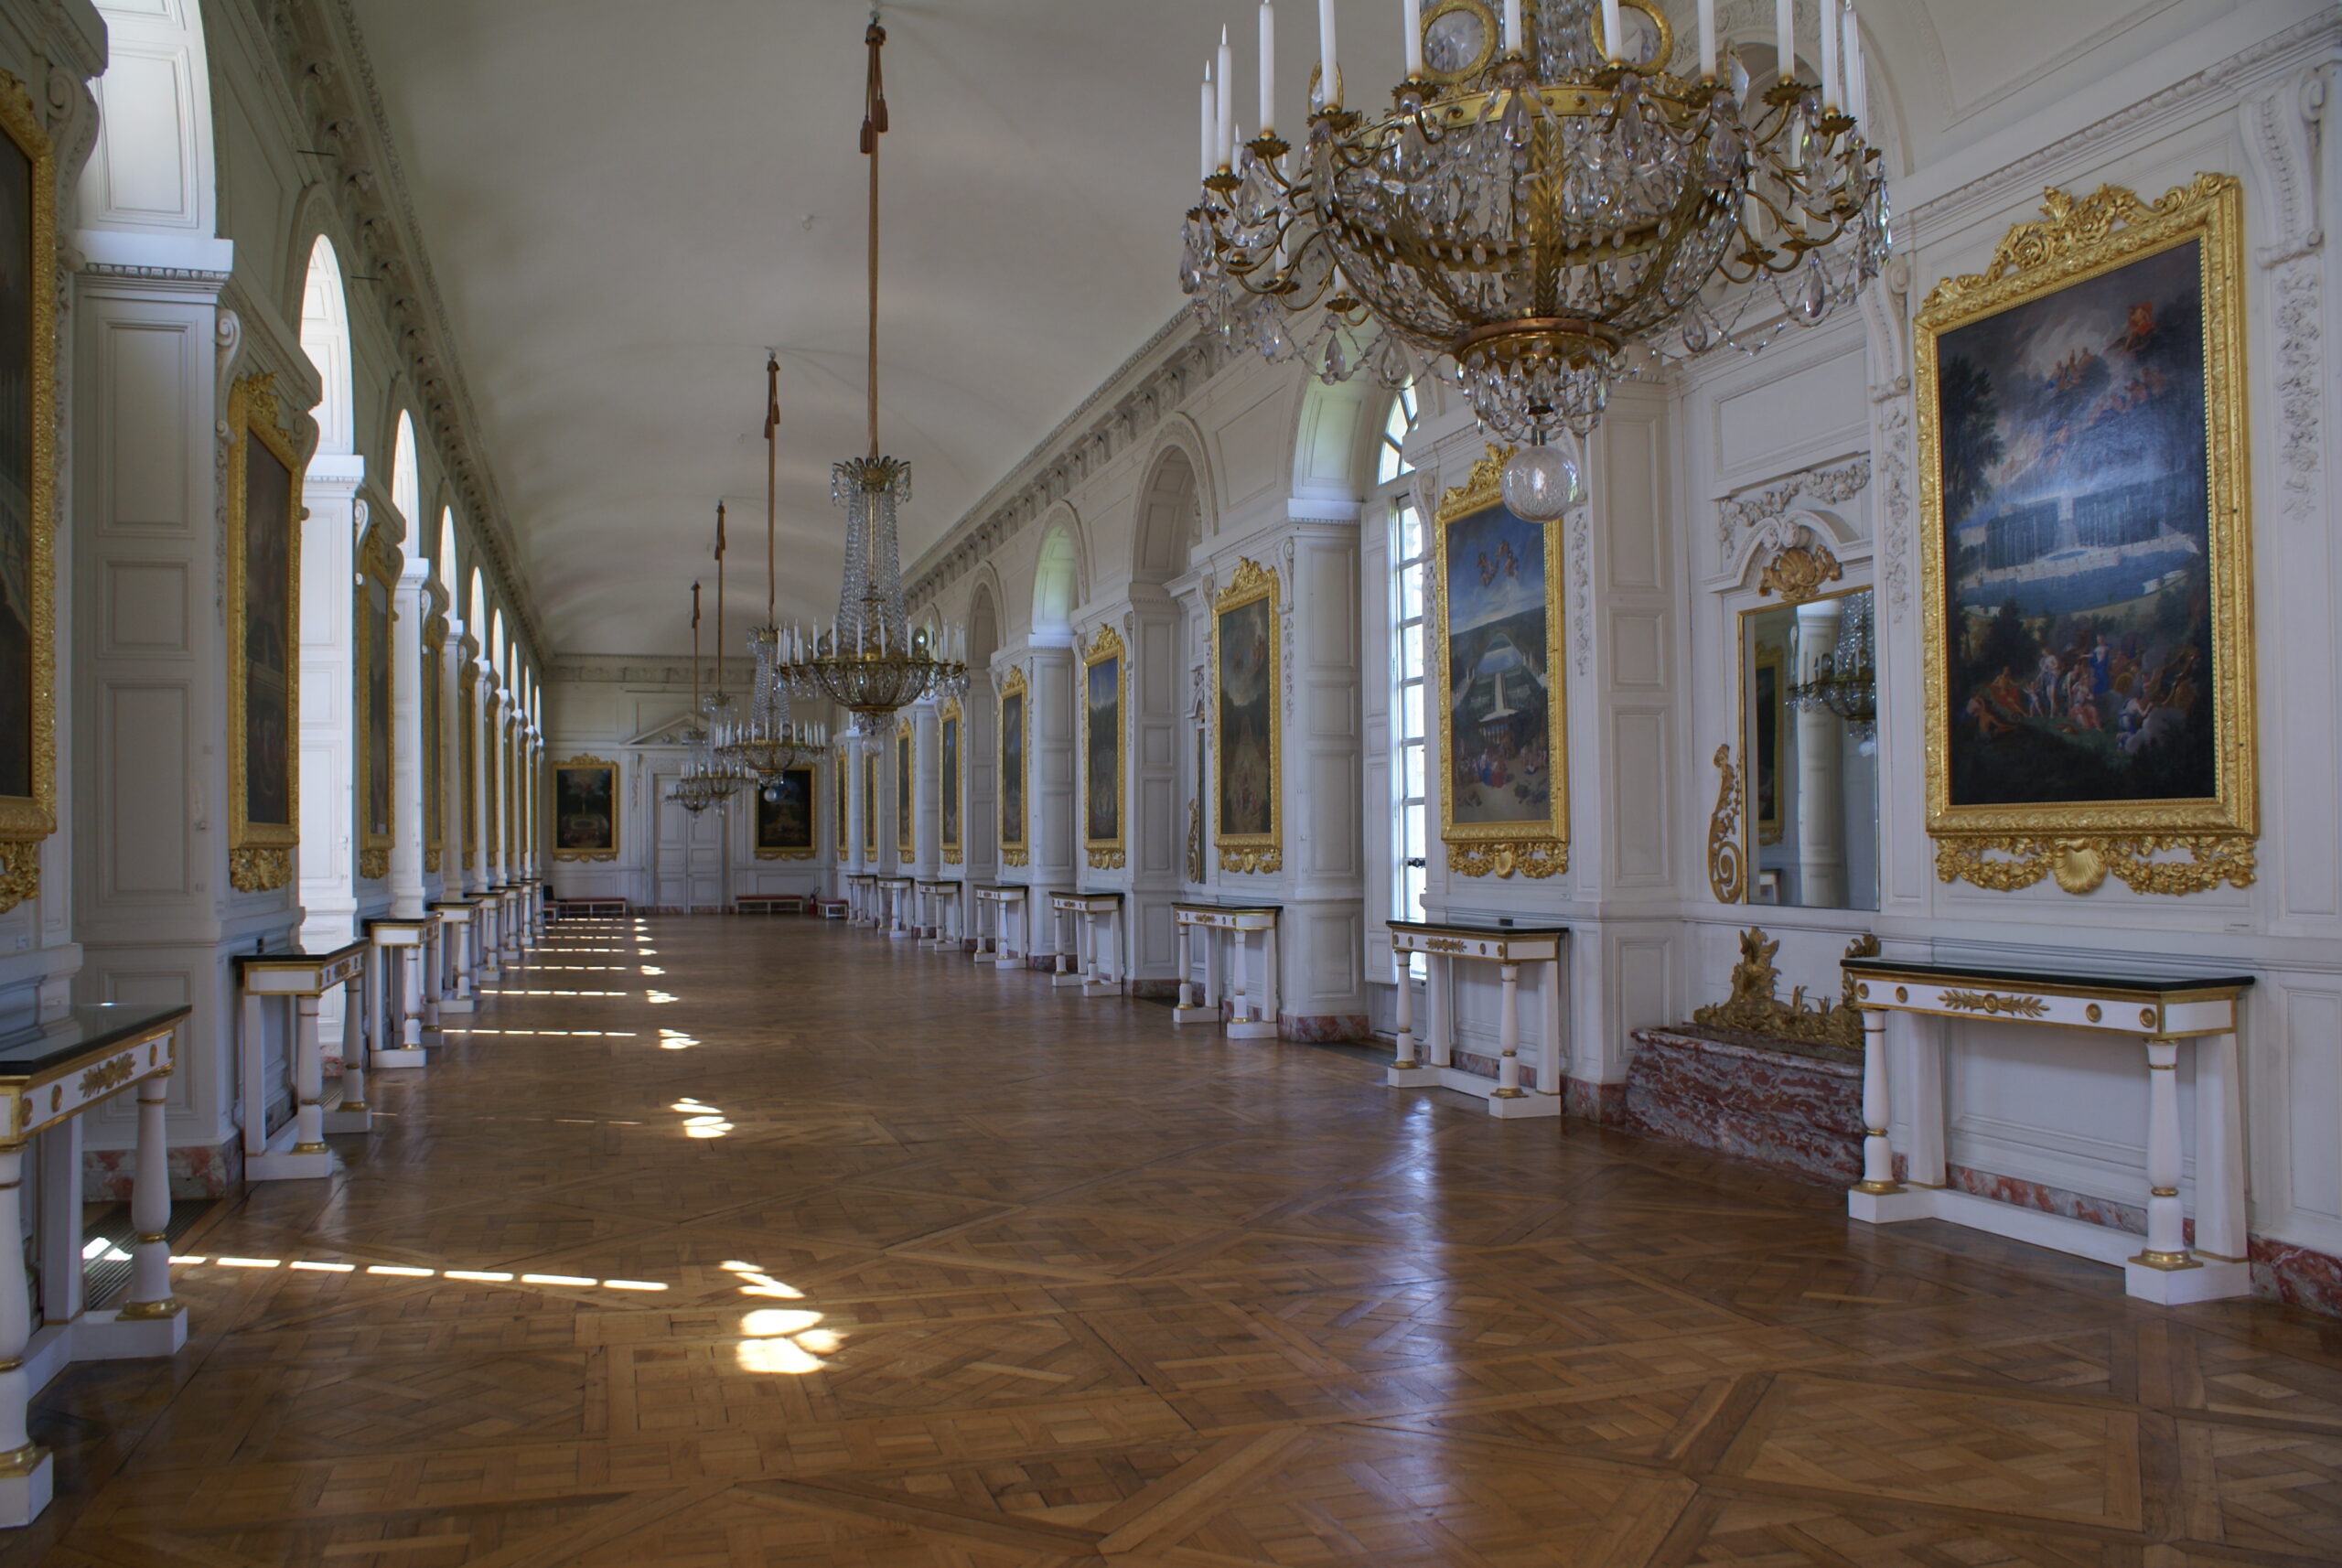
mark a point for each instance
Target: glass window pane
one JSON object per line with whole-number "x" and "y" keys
{"x": 1410, "y": 711}
{"x": 1412, "y": 771}
{"x": 1413, "y": 815}
{"x": 1411, "y": 651}
{"x": 1411, "y": 594}
{"x": 1410, "y": 531}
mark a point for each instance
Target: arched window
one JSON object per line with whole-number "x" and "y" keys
{"x": 495, "y": 659}
{"x": 406, "y": 485}
{"x": 446, "y": 563}
{"x": 1390, "y": 457}
{"x": 324, "y": 338}
{"x": 474, "y": 608}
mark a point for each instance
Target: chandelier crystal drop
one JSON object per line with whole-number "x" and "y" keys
{"x": 1845, "y": 680}
{"x": 1576, "y": 203}
{"x": 870, "y": 660}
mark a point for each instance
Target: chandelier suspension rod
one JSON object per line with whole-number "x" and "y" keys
{"x": 874, "y": 125}
{"x": 719, "y": 599}
{"x": 772, "y": 423}
{"x": 695, "y": 653}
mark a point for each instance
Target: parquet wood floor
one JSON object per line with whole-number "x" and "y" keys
{"x": 852, "y": 1255}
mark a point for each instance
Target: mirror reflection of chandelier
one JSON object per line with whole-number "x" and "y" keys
{"x": 870, "y": 660}
{"x": 1552, "y": 209}
{"x": 771, "y": 743}
{"x": 1845, "y": 679}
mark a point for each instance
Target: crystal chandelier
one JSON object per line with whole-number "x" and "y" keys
{"x": 718, "y": 754}
{"x": 771, "y": 743}
{"x": 870, "y": 662}
{"x": 1551, "y": 211}
{"x": 1845, "y": 679}
{"x": 697, "y": 787}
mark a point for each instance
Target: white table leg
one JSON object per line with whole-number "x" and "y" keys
{"x": 1549, "y": 1049}
{"x": 409, "y": 999}
{"x": 1509, "y": 1034}
{"x": 26, "y": 1476}
{"x": 2166, "y": 1226}
{"x": 150, "y": 1208}
{"x": 59, "y": 1151}
{"x": 467, "y": 939}
{"x": 308, "y": 1079}
{"x": 432, "y": 960}
{"x": 1186, "y": 993}
{"x": 1241, "y": 955}
{"x": 1406, "y": 1071}
{"x": 1878, "y": 1155}
{"x": 1439, "y": 973}
{"x": 253, "y": 1054}
{"x": 1214, "y": 941}
{"x": 2219, "y": 1150}
{"x": 353, "y": 1028}
{"x": 1923, "y": 1159}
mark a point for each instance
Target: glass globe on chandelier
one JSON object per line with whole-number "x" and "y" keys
{"x": 1552, "y": 210}
{"x": 869, "y": 660}
{"x": 771, "y": 743}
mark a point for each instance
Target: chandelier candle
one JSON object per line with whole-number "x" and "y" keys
{"x": 1707, "y": 41}
{"x": 1411, "y": 15}
{"x": 1328, "y": 73}
{"x": 1268, "y": 69}
{"x": 1226, "y": 103}
{"x": 1785, "y": 36}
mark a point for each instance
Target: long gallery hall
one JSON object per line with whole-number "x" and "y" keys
{"x": 1586, "y": 817}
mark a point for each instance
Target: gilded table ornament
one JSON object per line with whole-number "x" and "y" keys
{"x": 1495, "y": 629}
{"x": 1726, "y": 877}
{"x": 1992, "y": 1005}
{"x": 2085, "y": 552}
{"x": 1248, "y": 759}
{"x": 1754, "y": 1008}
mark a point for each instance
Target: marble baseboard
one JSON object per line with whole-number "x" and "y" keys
{"x": 197, "y": 1170}
{"x": 1748, "y": 1099}
{"x": 1589, "y": 1100}
{"x": 1324, "y": 1029}
{"x": 2296, "y": 1276}
{"x": 1153, "y": 990}
{"x": 1486, "y": 1066}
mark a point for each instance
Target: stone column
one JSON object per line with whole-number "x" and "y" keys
{"x": 1820, "y": 768}
{"x": 410, "y": 607}
{"x": 1051, "y": 786}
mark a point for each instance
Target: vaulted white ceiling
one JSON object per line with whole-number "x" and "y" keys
{"x": 627, "y": 201}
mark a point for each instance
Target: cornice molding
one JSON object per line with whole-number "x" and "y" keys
{"x": 1082, "y": 444}
{"x": 321, "y": 50}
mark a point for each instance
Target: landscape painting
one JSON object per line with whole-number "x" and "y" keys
{"x": 268, "y": 652}
{"x": 1245, "y": 690}
{"x": 948, "y": 785}
{"x": 1012, "y": 765}
{"x": 2077, "y": 542}
{"x": 1101, "y": 753}
{"x": 585, "y": 809}
{"x": 785, "y": 816}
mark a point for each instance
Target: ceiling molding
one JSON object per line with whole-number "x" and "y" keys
{"x": 322, "y": 53}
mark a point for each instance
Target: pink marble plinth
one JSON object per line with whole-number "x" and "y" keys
{"x": 1153, "y": 990}
{"x": 1486, "y": 1066}
{"x": 1592, "y": 1101}
{"x": 1324, "y": 1029}
{"x": 1796, "y": 1108}
{"x": 197, "y": 1170}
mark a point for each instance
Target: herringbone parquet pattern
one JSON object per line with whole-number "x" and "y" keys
{"x": 852, "y": 1256}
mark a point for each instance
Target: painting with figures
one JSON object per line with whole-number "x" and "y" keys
{"x": 267, "y": 623}
{"x": 16, "y": 619}
{"x": 1102, "y": 732}
{"x": 1501, "y": 721}
{"x": 905, "y": 822}
{"x": 1247, "y": 720}
{"x": 374, "y": 697}
{"x": 2075, "y": 519}
{"x": 585, "y": 808}
{"x": 1012, "y": 768}
{"x": 949, "y": 806}
{"x": 785, "y": 815}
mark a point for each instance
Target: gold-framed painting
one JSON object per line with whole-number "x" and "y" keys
{"x": 950, "y": 732}
{"x": 869, "y": 807}
{"x": 787, "y": 812}
{"x": 467, "y": 753}
{"x": 905, "y": 817}
{"x": 843, "y": 794}
{"x": 264, "y": 639}
{"x": 377, "y": 575}
{"x": 1498, "y": 687}
{"x": 1016, "y": 848}
{"x": 1102, "y": 666}
{"x": 492, "y": 832}
{"x": 434, "y": 739}
{"x": 2084, "y": 549}
{"x": 1768, "y": 743}
{"x": 1248, "y": 782}
{"x": 585, "y": 808}
{"x": 29, "y": 504}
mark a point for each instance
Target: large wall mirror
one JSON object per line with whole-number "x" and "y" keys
{"x": 1808, "y": 732}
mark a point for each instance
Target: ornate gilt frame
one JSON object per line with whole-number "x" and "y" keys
{"x": 1106, "y": 854}
{"x": 813, "y": 815}
{"x": 377, "y": 566}
{"x": 1017, "y": 851}
{"x": 1499, "y": 849}
{"x": 580, "y": 761}
{"x": 842, "y": 769}
{"x": 434, "y": 702}
{"x": 2005, "y": 847}
{"x": 260, "y": 855}
{"x": 951, "y": 721}
{"x": 869, "y": 807}
{"x": 906, "y": 795}
{"x": 468, "y": 750}
{"x": 1260, "y": 852}
{"x": 27, "y": 820}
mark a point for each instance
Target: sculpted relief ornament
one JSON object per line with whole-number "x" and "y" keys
{"x": 2085, "y": 557}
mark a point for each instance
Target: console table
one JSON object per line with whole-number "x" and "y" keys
{"x": 1251, "y": 1016}
{"x": 861, "y": 896}
{"x": 402, "y": 948}
{"x": 458, "y": 934}
{"x": 298, "y": 1151}
{"x": 49, "y": 1074}
{"x": 1001, "y": 898}
{"x": 2162, "y": 1014}
{"x": 940, "y": 913}
{"x": 896, "y": 892}
{"x": 1086, "y": 968}
{"x": 1443, "y": 945}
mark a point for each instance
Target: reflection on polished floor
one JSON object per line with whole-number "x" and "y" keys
{"x": 811, "y": 1248}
